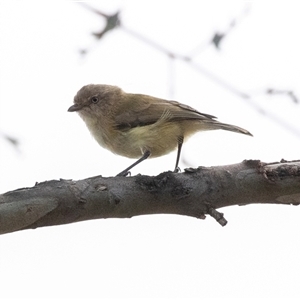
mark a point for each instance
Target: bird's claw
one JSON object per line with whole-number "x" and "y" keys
{"x": 177, "y": 170}
{"x": 124, "y": 174}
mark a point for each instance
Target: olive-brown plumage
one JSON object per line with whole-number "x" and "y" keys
{"x": 139, "y": 126}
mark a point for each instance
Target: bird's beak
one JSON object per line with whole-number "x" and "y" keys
{"x": 75, "y": 107}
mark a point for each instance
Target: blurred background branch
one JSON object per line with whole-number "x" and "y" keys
{"x": 114, "y": 22}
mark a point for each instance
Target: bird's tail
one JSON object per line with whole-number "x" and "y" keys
{"x": 233, "y": 128}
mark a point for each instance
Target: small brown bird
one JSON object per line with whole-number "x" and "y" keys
{"x": 140, "y": 126}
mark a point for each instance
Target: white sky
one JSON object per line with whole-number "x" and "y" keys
{"x": 256, "y": 254}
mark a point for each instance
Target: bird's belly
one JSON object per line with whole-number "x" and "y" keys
{"x": 159, "y": 141}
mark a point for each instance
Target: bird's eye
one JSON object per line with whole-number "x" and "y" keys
{"x": 94, "y": 100}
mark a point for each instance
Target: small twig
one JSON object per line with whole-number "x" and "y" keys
{"x": 288, "y": 93}
{"x": 217, "y": 216}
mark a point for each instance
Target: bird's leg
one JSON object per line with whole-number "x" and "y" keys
{"x": 126, "y": 171}
{"x": 180, "y": 142}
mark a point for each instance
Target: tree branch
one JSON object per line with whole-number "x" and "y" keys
{"x": 195, "y": 193}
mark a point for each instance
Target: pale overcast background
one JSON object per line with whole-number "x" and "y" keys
{"x": 162, "y": 256}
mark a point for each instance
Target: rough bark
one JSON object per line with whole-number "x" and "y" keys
{"x": 194, "y": 192}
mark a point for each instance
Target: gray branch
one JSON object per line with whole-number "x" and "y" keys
{"x": 195, "y": 193}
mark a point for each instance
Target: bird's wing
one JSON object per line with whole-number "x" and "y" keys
{"x": 145, "y": 110}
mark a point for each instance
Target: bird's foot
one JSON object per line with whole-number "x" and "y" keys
{"x": 124, "y": 174}
{"x": 177, "y": 170}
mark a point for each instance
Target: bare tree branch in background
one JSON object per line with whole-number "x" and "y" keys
{"x": 288, "y": 93}
{"x": 114, "y": 22}
{"x": 194, "y": 193}
{"x": 219, "y": 36}
{"x": 12, "y": 140}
